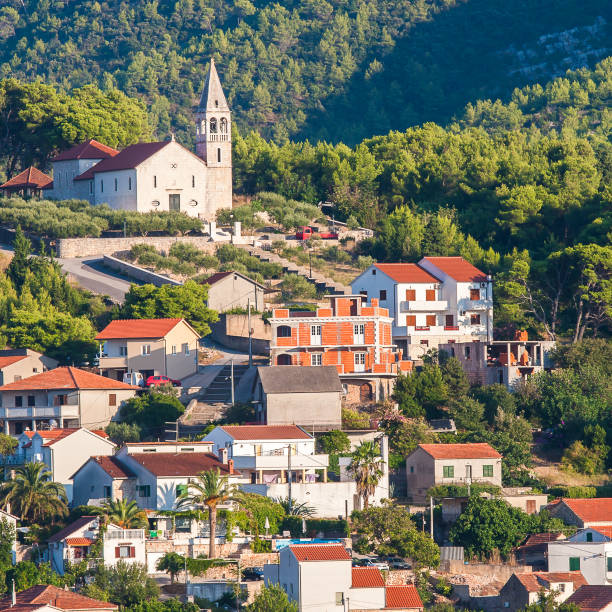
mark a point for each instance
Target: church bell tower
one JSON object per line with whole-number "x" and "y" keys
{"x": 214, "y": 142}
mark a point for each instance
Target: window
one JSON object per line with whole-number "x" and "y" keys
{"x": 474, "y": 294}
{"x": 213, "y": 126}
{"x": 609, "y": 562}
{"x": 154, "y": 181}
{"x": 112, "y": 399}
{"x": 374, "y": 271}
{"x": 574, "y": 564}
{"x": 188, "y": 450}
{"x": 101, "y": 186}
{"x": 186, "y": 348}
{"x": 130, "y": 183}
{"x": 410, "y": 295}
{"x": 383, "y": 295}
{"x": 412, "y": 469}
{"x": 316, "y": 359}
{"x": 223, "y": 125}
{"x": 359, "y": 333}
{"x": 34, "y": 370}
{"x": 31, "y": 400}
{"x": 123, "y": 351}
{"x": 315, "y": 334}
{"x": 18, "y": 401}
{"x": 90, "y": 186}
{"x": 284, "y": 331}
{"x": 411, "y": 320}
{"x": 116, "y": 183}
{"x": 144, "y": 491}
{"x": 448, "y": 471}
{"x": 181, "y": 490}
{"x": 182, "y": 523}
{"x": 466, "y": 351}
{"x": 146, "y": 349}
{"x": 149, "y": 450}
{"x": 475, "y": 319}
{"x": 425, "y": 342}
{"x": 487, "y": 471}
{"x": 430, "y": 319}
{"x": 174, "y": 201}
{"x": 173, "y": 350}
{"x": 193, "y": 180}
{"x": 219, "y": 155}
{"x": 589, "y": 536}
{"x": 449, "y": 320}
{"x": 430, "y": 295}
{"x": 360, "y": 359}
{"x": 155, "y": 203}
{"x": 339, "y": 599}
{"x": 125, "y": 551}
{"x": 107, "y": 492}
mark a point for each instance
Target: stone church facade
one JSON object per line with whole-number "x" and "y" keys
{"x": 157, "y": 176}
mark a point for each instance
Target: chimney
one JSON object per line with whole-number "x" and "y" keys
{"x": 230, "y": 465}
{"x": 223, "y": 455}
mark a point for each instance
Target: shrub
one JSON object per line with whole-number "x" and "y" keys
{"x": 354, "y": 419}
{"x": 294, "y": 287}
{"x": 261, "y": 546}
{"x": 573, "y": 492}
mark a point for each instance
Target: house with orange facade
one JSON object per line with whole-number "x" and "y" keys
{"x": 350, "y": 335}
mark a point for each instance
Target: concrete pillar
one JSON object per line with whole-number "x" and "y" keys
{"x": 33, "y": 424}
{"x": 260, "y": 476}
{"x": 303, "y": 475}
{"x": 212, "y": 228}
{"x": 324, "y": 474}
{"x": 6, "y": 426}
{"x": 237, "y": 229}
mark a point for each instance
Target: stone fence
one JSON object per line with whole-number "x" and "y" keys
{"x": 138, "y": 273}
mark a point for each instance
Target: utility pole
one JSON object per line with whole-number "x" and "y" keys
{"x": 289, "y": 476}
{"x": 431, "y": 509}
{"x": 310, "y": 262}
{"x": 250, "y": 333}
{"x": 232, "y": 368}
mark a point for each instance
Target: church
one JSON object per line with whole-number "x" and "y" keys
{"x": 156, "y": 176}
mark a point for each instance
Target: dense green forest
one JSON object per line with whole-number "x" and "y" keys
{"x": 339, "y": 70}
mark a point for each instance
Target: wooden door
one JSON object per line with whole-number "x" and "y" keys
{"x": 410, "y": 295}
{"x": 431, "y": 320}
{"x": 430, "y": 295}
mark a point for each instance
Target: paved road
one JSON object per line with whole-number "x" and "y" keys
{"x": 90, "y": 274}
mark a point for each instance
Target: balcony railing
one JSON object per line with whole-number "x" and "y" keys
{"x": 422, "y": 328}
{"x": 124, "y": 534}
{"x": 423, "y": 305}
{"x": 39, "y": 412}
{"x": 451, "y": 328}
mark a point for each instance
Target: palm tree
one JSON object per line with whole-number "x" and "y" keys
{"x": 124, "y": 514}
{"x": 366, "y": 465}
{"x": 33, "y": 495}
{"x": 296, "y": 509}
{"x": 210, "y": 490}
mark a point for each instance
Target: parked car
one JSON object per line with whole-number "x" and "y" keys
{"x": 253, "y": 573}
{"x": 398, "y": 563}
{"x": 360, "y": 562}
{"x": 381, "y": 565}
{"x": 305, "y": 232}
{"x": 158, "y": 380}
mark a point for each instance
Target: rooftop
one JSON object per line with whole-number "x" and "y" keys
{"x": 137, "y": 328}
{"x": 265, "y": 432}
{"x": 80, "y": 523}
{"x": 320, "y": 552}
{"x": 407, "y": 273}
{"x": 90, "y": 149}
{"x": 536, "y": 581}
{"x": 590, "y": 510}
{"x": 7, "y": 361}
{"x": 42, "y": 594}
{"x": 179, "y": 464}
{"x": 111, "y": 465}
{"x": 65, "y": 378}
{"x": 218, "y": 276}
{"x": 130, "y": 157}
{"x": 591, "y": 597}
{"x": 538, "y": 539}
{"x": 402, "y": 597}
{"x": 457, "y": 268}
{"x": 30, "y": 177}
{"x": 605, "y": 530}
{"x": 299, "y": 379}
{"x": 472, "y": 450}
{"x": 367, "y": 578}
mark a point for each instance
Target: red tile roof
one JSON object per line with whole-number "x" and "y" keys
{"x": 605, "y": 530}
{"x": 137, "y": 328}
{"x": 130, "y": 157}
{"x": 536, "y": 581}
{"x": 79, "y": 541}
{"x": 591, "y": 597}
{"x": 407, "y": 273}
{"x": 458, "y": 269}
{"x": 7, "y": 361}
{"x": 367, "y": 578}
{"x": 320, "y": 552}
{"x": 591, "y": 510}
{"x": 81, "y": 522}
{"x": 265, "y": 432}
{"x": 65, "y": 600}
{"x": 64, "y": 433}
{"x": 66, "y": 378}
{"x": 179, "y": 464}
{"x": 112, "y": 466}
{"x": 471, "y": 450}
{"x": 402, "y": 597}
{"x": 542, "y": 538}
{"x": 30, "y": 177}
{"x": 162, "y": 444}
{"x": 90, "y": 149}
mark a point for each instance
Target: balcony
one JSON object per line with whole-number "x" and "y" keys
{"x": 39, "y": 412}
{"x": 280, "y": 461}
{"x": 478, "y": 305}
{"x": 113, "y": 362}
{"x": 424, "y": 306}
{"x": 124, "y": 534}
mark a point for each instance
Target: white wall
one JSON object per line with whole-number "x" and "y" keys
{"x": 246, "y": 448}
{"x": 320, "y": 581}
{"x": 593, "y": 559}
{"x": 124, "y": 537}
{"x": 89, "y": 484}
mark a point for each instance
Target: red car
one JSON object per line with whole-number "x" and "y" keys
{"x": 155, "y": 381}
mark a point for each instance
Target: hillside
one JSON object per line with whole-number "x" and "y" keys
{"x": 340, "y": 70}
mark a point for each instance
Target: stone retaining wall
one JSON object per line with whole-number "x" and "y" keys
{"x": 138, "y": 273}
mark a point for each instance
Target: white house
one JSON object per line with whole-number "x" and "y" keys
{"x": 588, "y": 551}
{"x": 438, "y": 300}
{"x": 157, "y": 176}
{"x": 74, "y": 544}
{"x": 11, "y": 520}
{"x": 321, "y": 577}
{"x": 63, "y": 451}
{"x": 265, "y": 454}
{"x": 49, "y": 598}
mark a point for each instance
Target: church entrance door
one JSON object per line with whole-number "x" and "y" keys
{"x": 175, "y": 201}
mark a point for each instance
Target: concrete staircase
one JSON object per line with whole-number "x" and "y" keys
{"x": 220, "y": 389}
{"x": 322, "y": 283}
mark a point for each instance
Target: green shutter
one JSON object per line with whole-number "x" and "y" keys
{"x": 487, "y": 471}
{"x": 574, "y": 564}
{"x": 609, "y": 564}
{"x": 448, "y": 471}
{"x": 181, "y": 490}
